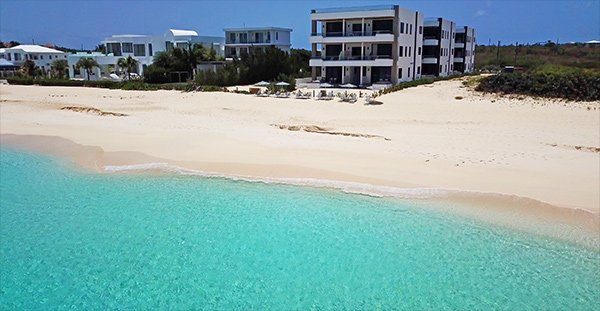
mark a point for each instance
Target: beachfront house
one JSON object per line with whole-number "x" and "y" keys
{"x": 240, "y": 41}
{"x": 464, "y": 49}
{"x": 438, "y": 47}
{"x": 41, "y": 56}
{"x": 367, "y": 45}
{"x": 142, "y": 48}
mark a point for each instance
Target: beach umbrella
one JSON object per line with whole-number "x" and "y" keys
{"x": 325, "y": 85}
{"x": 262, "y": 83}
{"x": 348, "y": 85}
{"x": 282, "y": 83}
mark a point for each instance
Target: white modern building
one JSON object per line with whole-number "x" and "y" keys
{"x": 142, "y": 48}
{"x": 464, "y": 49}
{"x": 242, "y": 40}
{"x": 438, "y": 47}
{"x": 42, "y": 56}
{"x": 366, "y": 45}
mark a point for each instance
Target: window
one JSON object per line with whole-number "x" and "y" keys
{"x": 440, "y": 68}
{"x": 419, "y": 70}
{"x": 127, "y": 47}
{"x": 277, "y": 35}
{"x": 406, "y": 51}
{"x": 41, "y": 56}
{"x": 150, "y": 49}
{"x": 419, "y": 50}
{"x": 231, "y": 37}
{"x": 400, "y": 73}
{"x": 8, "y": 56}
{"x": 420, "y": 30}
{"x": 401, "y": 27}
{"x": 114, "y": 48}
{"x": 401, "y": 51}
{"x": 451, "y": 66}
{"x": 139, "y": 50}
{"x": 409, "y": 52}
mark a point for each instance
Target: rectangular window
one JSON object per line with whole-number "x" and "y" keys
{"x": 401, "y": 51}
{"x": 231, "y": 37}
{"x": 419, "y": 50}
{"x": 150, "y": 49}
{"x": 127, "y": 47}
{"x": 411, "y": 29}
{"x": 419, "y": 70}
{"x": 8, "y": 56}
{"x": 409, "y": 72}
{"x": 406, "y": 51}
{"x": 277, "y": 35}
{"x": 420, "y": 30}
{"x": 440, "y": 68}
{"x": 41, "y": 56}
{"x": 139, "y": 50}
{"x": 410, "y": 51}
{"x": 400, "y": 73}
{"x": 401, "y": 27}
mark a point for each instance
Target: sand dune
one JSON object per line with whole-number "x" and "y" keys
{"x": 419, "y": 137}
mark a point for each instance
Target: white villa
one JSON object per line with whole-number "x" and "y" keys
{"x": 386, "y": 45}
{"x": 142, "y": 48}
{"x": 438, "y": 47}
{"x": 42, "y": 56}
{"x": 464, "y": 49}
{"x": 366, "y": 45}
{"x": 241, "y": 40}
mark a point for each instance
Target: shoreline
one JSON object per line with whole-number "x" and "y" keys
{"x": 523, "y": 214}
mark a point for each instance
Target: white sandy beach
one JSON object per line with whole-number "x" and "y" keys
{"x": 419, "y": 138}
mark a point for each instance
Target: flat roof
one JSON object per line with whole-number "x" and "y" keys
{"x": 257, "y": 29}
{"x": 354, "y": 9}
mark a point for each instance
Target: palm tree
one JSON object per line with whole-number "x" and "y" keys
{"x": 28, "y": 68}
{"x": 60, "y": 67}
{"x": 128, "y": 63}
{"x": 88, "y": 64}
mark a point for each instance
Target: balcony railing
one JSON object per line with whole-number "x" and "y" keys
{"x": 351, "y": 33}
{"x": 358, "y": 57}
{"x": 429, "y": 56}
{"x": 246, "y": 41}
{"x": 430, "y": 38}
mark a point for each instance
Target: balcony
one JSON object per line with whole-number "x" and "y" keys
{"x": 430, "y": 59}
{"x": 430, "y": 41}
{"x": 459, "y": 45}
{"x": 370, "y": 60}
{"x": 459, "y": 59}
{"x": 352, "y": 36}
{"x": 248, "y": 42}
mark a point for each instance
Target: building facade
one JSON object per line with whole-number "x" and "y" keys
{"x": 364, "y": 46}
{"x": 464, "y": 49}
{"x": 438, "y": 47}
{"x": 241, "y": 40}
{"x": 142, "y": 48}
{"x": 41, "y": 56}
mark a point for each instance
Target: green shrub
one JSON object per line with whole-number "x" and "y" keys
{"x": 403, "y": 85}
{"x": 583, "y": 85}
{"x": 20, "y": 80}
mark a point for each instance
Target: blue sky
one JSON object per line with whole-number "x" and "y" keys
{"x": 76, "y": 23}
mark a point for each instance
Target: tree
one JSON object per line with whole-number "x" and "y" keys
{"x": 28, "y": 68}
{"x": 88, "y": 64}
{"x": 60, "y": 67}
{"x": 100, "y": 48}
{"x": 129, "y": 63}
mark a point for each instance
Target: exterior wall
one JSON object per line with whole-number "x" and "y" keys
{"x": 375, "y": 45}
{"x": 441, "y": 62}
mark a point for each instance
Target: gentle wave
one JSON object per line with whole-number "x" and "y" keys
{"x": 344, "y": 186}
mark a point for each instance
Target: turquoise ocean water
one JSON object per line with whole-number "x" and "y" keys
{"x": 73, "y": 239}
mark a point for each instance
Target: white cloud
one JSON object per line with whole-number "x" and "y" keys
{"x": 480, "y": 13}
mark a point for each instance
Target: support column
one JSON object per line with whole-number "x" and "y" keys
{"x": 361, "y": 75}
{"x": 394, "y": 72}
{"x": 343, "y": 74}
{"x": 343, "y": 27}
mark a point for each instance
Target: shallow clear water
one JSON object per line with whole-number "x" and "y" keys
{"x": 71, "y": 239}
